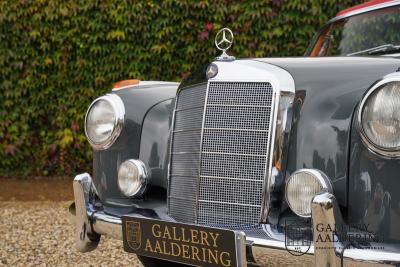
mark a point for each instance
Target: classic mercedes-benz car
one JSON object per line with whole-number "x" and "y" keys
{"x": 255, "y": 159}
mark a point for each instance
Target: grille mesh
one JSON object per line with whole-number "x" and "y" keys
{"x": 243, "y": 142}
{"x": 226, "y": 214}
{"x": 220, "y": 153}
{"x": 222, "y": 188}
{"x": 237, "y": 117}
{"x": 250, "y": 93}
{"x": 233, "y": 166}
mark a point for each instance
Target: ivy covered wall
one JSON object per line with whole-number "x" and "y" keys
{"x": 56, "y": 56}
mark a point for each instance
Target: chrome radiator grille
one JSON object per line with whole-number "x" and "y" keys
{"x": 219, "y": 153}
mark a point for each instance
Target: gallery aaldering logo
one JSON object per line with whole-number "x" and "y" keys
{"x": 298, "y": 237}
{"x": 359, "y": 233}
{"x": 133, "y": 234}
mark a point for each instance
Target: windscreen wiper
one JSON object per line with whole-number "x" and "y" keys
{"x": 382, "y": 49}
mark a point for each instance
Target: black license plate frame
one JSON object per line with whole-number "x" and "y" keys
{"x": 190, "y": 244}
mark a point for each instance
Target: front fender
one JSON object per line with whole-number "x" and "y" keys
{"x": 138, "y": 101}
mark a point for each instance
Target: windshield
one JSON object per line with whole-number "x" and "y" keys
{"x": 360, "y": 35}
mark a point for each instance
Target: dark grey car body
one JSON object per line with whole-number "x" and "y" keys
{"x": 323, "y": 136}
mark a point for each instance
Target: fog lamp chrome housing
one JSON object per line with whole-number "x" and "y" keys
{"x": 379, "y": 117}
{"x": 104, "y": 121}
{"x": 132, "y": 178}
{"x": 302, "y": 186}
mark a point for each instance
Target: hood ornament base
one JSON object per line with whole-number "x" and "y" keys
{"x": 225, "y": 57}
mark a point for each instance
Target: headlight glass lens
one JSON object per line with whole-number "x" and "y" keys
{"x": 301, "y": 187}
{"x": 100, "y": 121}
{"x": 132, "y": 176}
{"x": 381, "y": 116}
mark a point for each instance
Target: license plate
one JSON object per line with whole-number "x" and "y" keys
{"x": 183, "y": 243}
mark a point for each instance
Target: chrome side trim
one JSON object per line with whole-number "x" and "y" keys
{"x": 365, "y": 10}
{"x": 171, "y": 138}
{"x": 380, "y": 151}
{"x": 282, "y": 123}
{"x": 119, "y": 108}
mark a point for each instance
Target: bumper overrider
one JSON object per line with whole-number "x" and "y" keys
{"x": 327, "y": 248}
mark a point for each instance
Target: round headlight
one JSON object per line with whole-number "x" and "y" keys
{"x": 132, "y": 177}
{"x": 104, "y": 121}
{"x": 379, "y": 118}
{"x": 302, "y": 186}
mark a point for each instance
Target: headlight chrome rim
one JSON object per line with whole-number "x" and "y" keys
{"x": 322, "y": 179}
{"x": 143, "y": 178}
{"x": 119, "y": 109}
{"x": 371, "y": 146}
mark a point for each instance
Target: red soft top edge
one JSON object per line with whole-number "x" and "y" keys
{"x": 363, "y": 5}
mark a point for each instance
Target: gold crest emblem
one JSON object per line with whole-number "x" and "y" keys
{"x": 133, "y": 235}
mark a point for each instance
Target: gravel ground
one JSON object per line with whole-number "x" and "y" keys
{"x": 39, "y": 233}
{"x": 35, "y": 230}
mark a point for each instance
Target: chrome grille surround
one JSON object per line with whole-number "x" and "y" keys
{"x": 228, "y": 186}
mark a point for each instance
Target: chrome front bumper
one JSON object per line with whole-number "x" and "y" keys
{"x": 92, "y": 223}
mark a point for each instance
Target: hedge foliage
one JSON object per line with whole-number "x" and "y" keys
{"x": 56, "y": 56}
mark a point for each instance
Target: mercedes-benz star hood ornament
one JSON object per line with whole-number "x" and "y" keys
{"x": 224, "y": 41}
